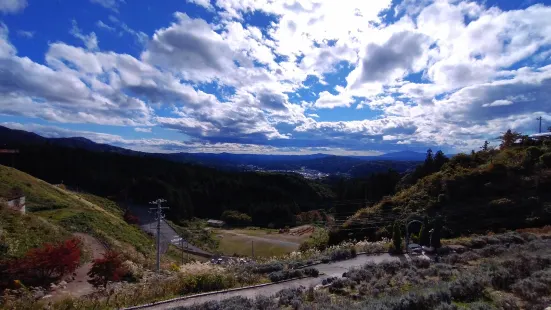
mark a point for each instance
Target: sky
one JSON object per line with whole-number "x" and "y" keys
{"x": 276, "y": 76}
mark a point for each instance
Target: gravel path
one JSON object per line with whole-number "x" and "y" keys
{"x": 80, "y": 286}
{"x": 335, "y": 269}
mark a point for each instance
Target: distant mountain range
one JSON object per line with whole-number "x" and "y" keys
{"x": 331, "y": 164}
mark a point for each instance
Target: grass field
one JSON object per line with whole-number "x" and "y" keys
{"x": 267, "y": 243}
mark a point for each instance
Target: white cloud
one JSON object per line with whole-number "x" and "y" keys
{"x": 89, "y": 40}
{"x": 498, "y": 103}
{"x": 451, "y": 73}
{"x": 327, "y": 100}
{"x": 12, "y": 6}
{"x": 109, "y": 4}
{"x": 25, "y": 34}
{"x": 204, "y": 3}
{"x": 103, "y": 25}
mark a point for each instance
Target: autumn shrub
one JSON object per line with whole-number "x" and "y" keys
{"x": 130, "y": 218}
{"x": 44, "y": 265}
{"x": 108, "y": 268}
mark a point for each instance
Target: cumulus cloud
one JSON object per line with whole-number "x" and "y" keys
{"x": 204, "y": 3}
{"x": 142, "y": 129}
{"x": 392, "y": 60}
{"x": 447, "y": 73}
{"x": 12, "y": 6}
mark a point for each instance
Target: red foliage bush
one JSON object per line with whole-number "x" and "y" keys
{"x": 109, "y": 268}
{"x": 44, "y": 265}
{"x": 130, "y": 218}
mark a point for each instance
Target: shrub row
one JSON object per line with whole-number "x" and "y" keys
{"x": 292, "y": 273}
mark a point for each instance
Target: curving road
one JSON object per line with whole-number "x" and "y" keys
{"x": 335, "y": 269}
{"x": 168, "y": 234}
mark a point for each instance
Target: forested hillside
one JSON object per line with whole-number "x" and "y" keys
{"x": 190, "y": 190}
{"x": 489, "y": 190}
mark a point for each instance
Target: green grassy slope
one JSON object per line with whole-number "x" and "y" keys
{"x": 55, "y": 212}
{"x": 488, "y": 191}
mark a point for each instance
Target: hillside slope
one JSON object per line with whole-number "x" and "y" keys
{"x": 54, "y": 213}
{"x": 485, "y": 191}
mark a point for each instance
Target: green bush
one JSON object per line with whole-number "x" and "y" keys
{"x": 546, "y": 159}
{"x": 236, "y": 218}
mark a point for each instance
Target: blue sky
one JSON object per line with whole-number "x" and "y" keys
{"x": 352, "y": 77}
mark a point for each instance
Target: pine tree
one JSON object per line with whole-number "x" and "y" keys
{"x": 437, "y": 234}
{"x": 397, "y": 238}
{"x": 508, "y": 139}
{"x": 486, "y": 146}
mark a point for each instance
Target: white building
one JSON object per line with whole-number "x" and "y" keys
{"x": 16, "y": 203}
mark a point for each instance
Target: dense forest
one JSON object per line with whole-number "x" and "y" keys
{"x": 191, "y": 190}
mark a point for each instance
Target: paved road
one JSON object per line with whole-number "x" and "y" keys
{"x": 335, "y": 269}
{"x": 168, "y": 234}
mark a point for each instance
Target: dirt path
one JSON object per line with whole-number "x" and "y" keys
{"x": 80, "y": 286}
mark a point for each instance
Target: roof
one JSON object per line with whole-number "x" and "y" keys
{"x": 13, "y": 197}
{"x": 542, "y": 134}
{"x": 215, "y": 221}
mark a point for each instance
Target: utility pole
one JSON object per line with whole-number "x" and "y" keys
{"x": 160, "y": 216}
{"x": 539, "y": 119}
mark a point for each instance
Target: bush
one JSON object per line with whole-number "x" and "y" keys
{"x": 285, "y": 275}
{"x": 342, "y": 254}
{"x": 545, "y": 159}
{"x": 107, "y": 269}
{"x": 267, "y": 268}
{"x": 130, "y": 218}
{"x": 311, "y": 272}
{"x": 46, "y": 264}
{"x": 539, "y": 284}
{"x": 236, "y": 218}
{"x": 467, "y": 287}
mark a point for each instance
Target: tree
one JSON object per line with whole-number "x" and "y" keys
{"x": 429, "y": 162}
{"x": 486, "y": 146}
{"x": 424, "y": 234}
{"x": 48, "y": 263}
{"x": 508, "y": 139}
{"x": 107, "y": 269}
{"x": 436, "y": 234}
{"x": 236, "y": 218}
{"x": 130, "y": 218}
{"x": 397, "y": 238}
{"x": 439, "y": 160}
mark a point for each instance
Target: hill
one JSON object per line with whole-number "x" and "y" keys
{"x": 484, "y": 191}
{"x": 191, "y": 190}
{"x": 53, "y": 213}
